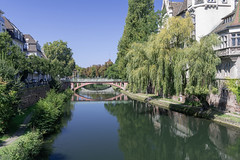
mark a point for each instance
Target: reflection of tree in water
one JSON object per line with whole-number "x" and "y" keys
{"x": 167, "y": 135}
{"x": 47, "y": 147}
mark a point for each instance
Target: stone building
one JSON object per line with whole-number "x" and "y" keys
{"x": 220, "y": 17}
{"x": 206, "y": 14}
{"x": 214, "y": 16}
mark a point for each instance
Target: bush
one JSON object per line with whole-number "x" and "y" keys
{"x": 49, "y": 111}
{"x": 8, "y": 98}
{"x": 27, "y": 147}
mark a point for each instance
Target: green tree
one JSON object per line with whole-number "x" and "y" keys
{"x": 141, "y": 22}
{"x": 202, "y": 61}
{"x": 60, "y": 56}
{"x": 151, "y": 64}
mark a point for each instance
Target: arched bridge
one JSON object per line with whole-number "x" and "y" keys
{"x": 77, "y": 83}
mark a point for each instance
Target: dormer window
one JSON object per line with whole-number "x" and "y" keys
{"x": 224, "y": 1}
{"x": 211, "y": 1}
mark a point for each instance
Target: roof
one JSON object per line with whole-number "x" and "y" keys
{"x": 236, "y": 20}
{"x": 175, "y": 7}
{"x": 29, "y": 39}
{"x": 32, "y": 43}
{"x": 1, "y": 11}
{"x": 8, "y": 24}
{"x": 224, "y": 26}
{"x": 183, "y": 7}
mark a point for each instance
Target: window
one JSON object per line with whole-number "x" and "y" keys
{"x": 211, "y": 1}
{"x": 238, "y": 41}
{"x": 233, "y": 40}
{"x": 224, "y": 1}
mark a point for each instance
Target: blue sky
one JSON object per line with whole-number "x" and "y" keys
{"x": 92, "y": 28}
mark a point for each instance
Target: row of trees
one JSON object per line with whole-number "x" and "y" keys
{"x": 94, "y": 71}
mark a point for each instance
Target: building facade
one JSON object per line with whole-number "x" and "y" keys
{"x": 220, "y": 17}
{"x": 32, "y": 47}
{"x": 2, "y": 23}
{"x": 214, "y": 16}
{"x": 15, "y": 33}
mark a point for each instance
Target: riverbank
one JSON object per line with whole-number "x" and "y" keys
{"x": 212, "y": 114}
{"x": 40, "y": 121}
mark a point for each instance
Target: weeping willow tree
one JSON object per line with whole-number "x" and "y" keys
{"x": 151, "y": 64}
{"x": 202, "y": 61}
{"x": 171, "y": 62}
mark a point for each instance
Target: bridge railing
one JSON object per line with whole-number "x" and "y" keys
{"x": 82, "y": 80}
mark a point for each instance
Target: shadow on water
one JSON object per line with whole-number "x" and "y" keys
{"x": 154, "y": 133}
{"x": 47, "y": 146}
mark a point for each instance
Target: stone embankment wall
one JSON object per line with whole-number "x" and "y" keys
{"x": 225, "y": 101}
{"x": 30, "y": 96}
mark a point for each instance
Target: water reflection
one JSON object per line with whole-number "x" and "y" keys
{"x": 99, "y": 97}
{"x": 47, "y": 148}
{"x": 154, "y": 133}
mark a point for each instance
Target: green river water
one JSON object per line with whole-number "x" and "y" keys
{"x": 130, "y": 130}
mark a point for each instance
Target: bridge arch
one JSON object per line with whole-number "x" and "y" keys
{"x": 121, "y": 85}
{"x": 118, "y": 97}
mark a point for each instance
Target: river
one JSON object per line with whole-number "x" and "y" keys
{"x": 124, "y": 129}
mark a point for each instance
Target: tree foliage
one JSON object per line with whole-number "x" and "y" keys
{"x": 94, "y": 70}
{"x": 171, "y": 62}
{"x": 60, "y": 57}
{"x": 234, "y": 86}
{"x": 141, "y": 22}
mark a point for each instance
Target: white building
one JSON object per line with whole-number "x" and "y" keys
{"x": 15, "y": 33}
{"x": 2, "y": 24}
{"x": 32, "y": 47}
{"x": 214, "y": 16}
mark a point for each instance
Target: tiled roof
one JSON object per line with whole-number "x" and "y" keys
{"x": 183, "y": 7}
{"x": 221, "y": 27}
{"x": 225, "y": 25}
{"x": 176, "y": 7}
{"x": 236, "y": 17}
{"x": 28, "y": 38}
{"x": 8, "y": 24}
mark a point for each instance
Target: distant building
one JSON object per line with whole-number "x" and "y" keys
{"x": 15, "y": 33}
{"x": 32, "y": 47}
{"x": 2, "y": 24}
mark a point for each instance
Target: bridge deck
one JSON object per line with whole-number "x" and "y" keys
{"x": 94, "y": 80}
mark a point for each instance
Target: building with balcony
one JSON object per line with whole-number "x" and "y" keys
{"x": 214, "y": 16}
{"x": 2, "y": 23}
{"x": 229, "y": 50}
{"x": 206, "y": 14}
{"x": 32, "y": 47}
{"x": 15, "y": 33}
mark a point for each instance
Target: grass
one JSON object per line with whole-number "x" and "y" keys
{"x": 16, "y": 122}
{"x": 230, "y": 118}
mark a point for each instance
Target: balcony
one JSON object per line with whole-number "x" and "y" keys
{"x": 199, "y": 2}
{"x": 232, "y": 51}
{"x": 1, "y": 19}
